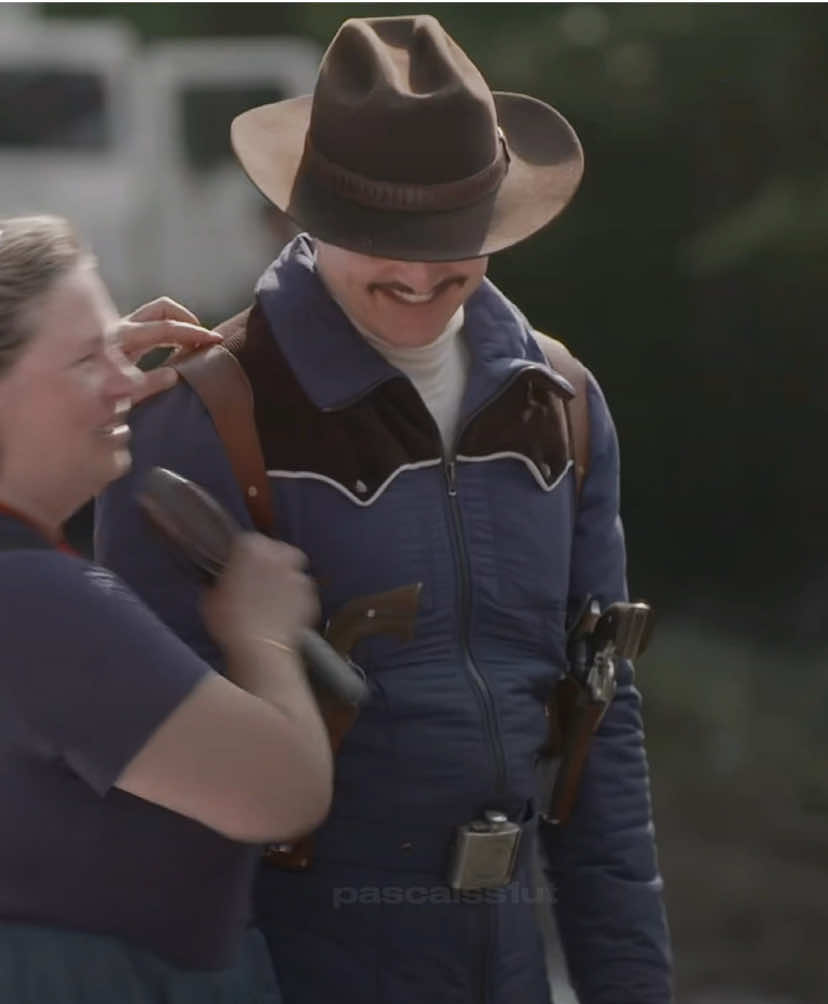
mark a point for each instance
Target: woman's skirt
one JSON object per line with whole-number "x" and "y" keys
{"x": 42, "y": 965}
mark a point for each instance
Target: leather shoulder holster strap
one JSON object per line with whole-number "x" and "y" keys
{"x": 577, "y": 408}
{"x": 572, "y": 719}
{"x": 217, "y": 377}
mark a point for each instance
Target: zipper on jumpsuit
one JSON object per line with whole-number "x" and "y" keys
{"x": 484, "y": 693}
{"x": 481, "y": 687}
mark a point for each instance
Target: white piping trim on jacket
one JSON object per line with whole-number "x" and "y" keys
{"x": 509, "y": 454}
{"x": 313, "y": 476}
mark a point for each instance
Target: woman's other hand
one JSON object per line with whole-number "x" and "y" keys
{"x": 263, "y": 593}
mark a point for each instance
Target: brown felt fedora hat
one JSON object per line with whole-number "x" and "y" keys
{"x": 403, "y": 152}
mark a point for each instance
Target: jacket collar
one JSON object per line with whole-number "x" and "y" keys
{"x": 336, "y": 366}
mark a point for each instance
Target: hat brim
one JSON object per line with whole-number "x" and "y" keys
{"x": 545, "y": 169}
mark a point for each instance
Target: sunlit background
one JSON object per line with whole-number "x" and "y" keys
{"x": 689, "y": 274}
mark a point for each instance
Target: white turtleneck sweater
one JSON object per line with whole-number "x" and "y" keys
{"x": 437, "y": 370}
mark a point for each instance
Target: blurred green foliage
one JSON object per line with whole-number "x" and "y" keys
{"x": 739, "y": 769}
{"x": 688, "y": 273}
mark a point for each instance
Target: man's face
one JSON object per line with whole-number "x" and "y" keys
{"x": 405, "y": 303}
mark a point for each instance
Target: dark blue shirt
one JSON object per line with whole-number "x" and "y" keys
{"x": 87, "y": 674}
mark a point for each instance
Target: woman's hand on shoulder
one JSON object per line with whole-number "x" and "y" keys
{"x": 161, "y": 323}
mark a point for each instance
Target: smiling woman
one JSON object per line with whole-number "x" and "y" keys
{"x": 66, "y": 384}
{"x": 137, "y": 781}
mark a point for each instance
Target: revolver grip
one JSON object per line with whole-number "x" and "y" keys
{"x": 392, "y": 612}
{"x": 629, "y": 626}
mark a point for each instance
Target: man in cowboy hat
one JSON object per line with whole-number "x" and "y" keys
{"x": 413, "y": 431}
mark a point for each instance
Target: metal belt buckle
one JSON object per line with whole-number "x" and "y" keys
{"x": 484, "y": 853}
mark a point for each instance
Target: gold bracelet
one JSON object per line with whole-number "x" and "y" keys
{"x": 276, "y": 644}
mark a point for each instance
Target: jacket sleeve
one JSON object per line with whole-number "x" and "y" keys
{"x": 174, "y": 431}
{"x": 603, "y": 862}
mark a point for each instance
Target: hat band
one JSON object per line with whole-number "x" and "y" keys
{"x": 403, "y": 196}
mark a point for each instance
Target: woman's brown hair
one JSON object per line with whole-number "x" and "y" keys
{"x": 35, "y": 251}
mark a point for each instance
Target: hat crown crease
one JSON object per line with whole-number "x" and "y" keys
{"x": 421, "y": 86}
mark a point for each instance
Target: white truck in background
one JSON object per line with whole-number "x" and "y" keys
{"x": 131, "y": 142}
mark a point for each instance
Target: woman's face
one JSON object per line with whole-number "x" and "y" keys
{"x": 63, "y": 403}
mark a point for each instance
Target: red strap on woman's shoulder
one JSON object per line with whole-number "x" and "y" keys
{"x": 60, "y": 544}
